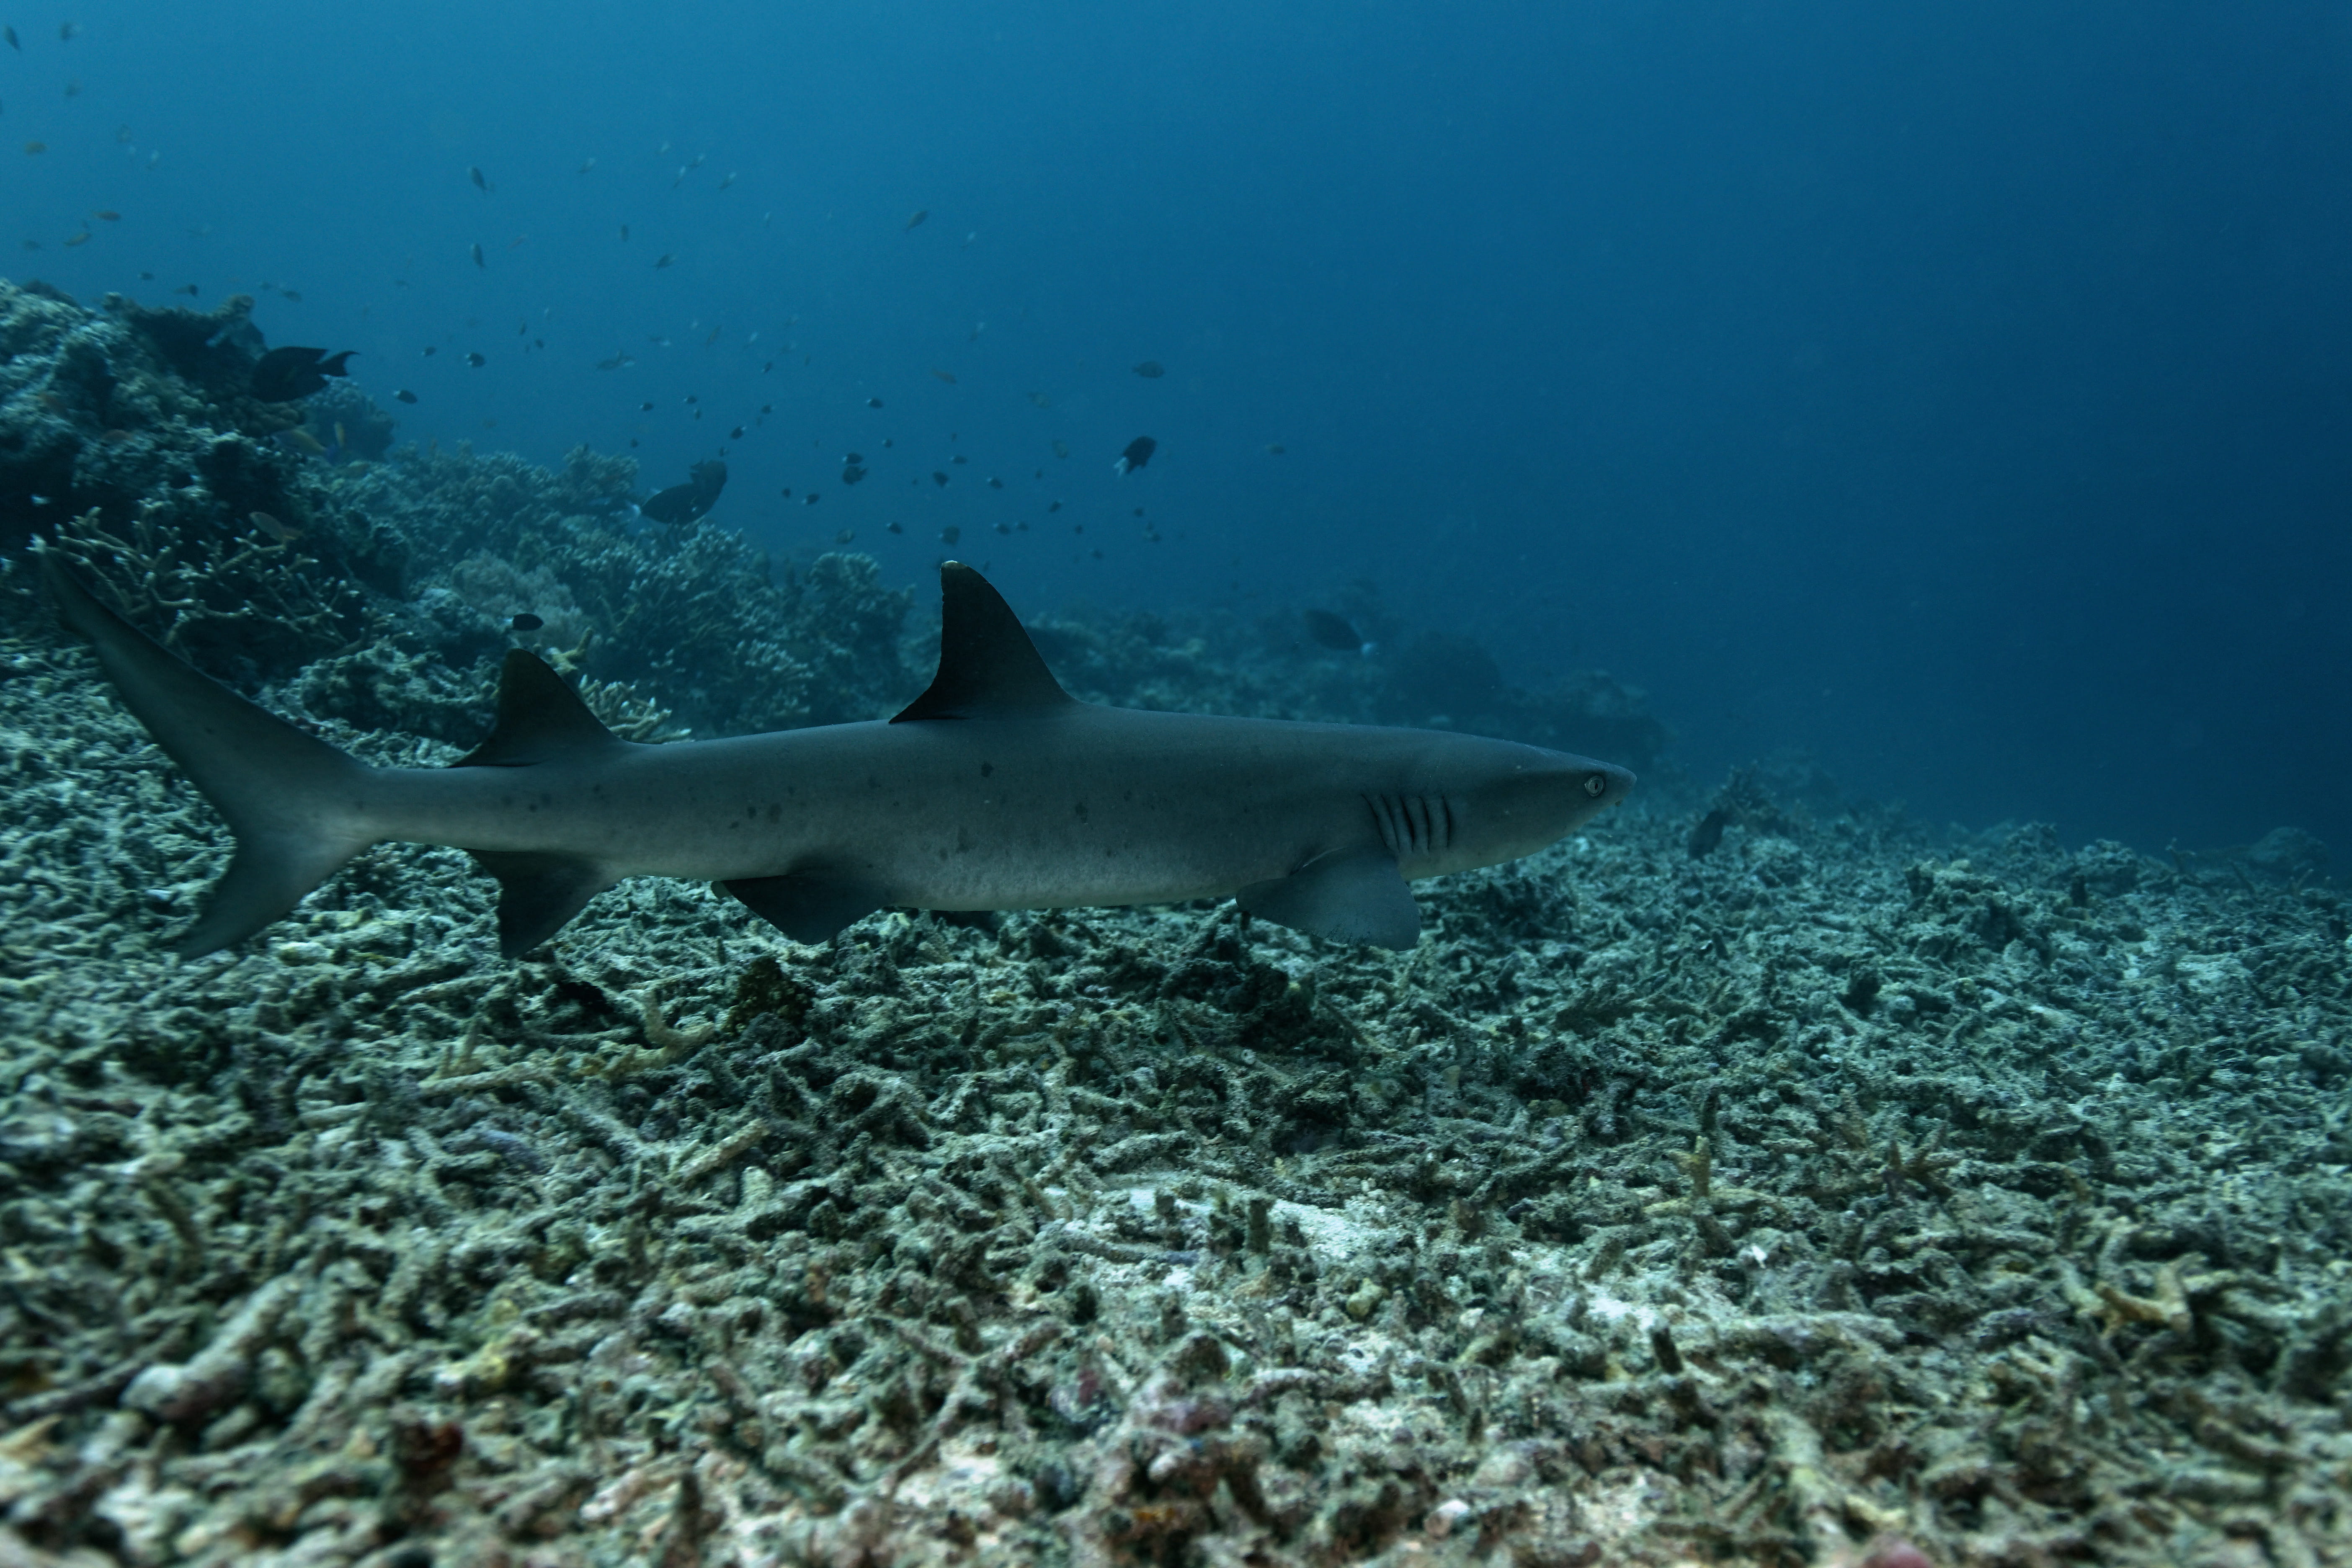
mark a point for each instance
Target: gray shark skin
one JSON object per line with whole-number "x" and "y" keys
{"x": 994, "y": 790}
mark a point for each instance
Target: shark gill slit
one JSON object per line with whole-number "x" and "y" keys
{"x": 1412, "y": 824}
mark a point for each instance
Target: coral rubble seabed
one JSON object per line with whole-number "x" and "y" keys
{"x": 1840, "y": 1194}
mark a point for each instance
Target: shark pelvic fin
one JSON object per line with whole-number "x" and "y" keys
{"x": 1347, "y": 895}
{"x": 807, "y": 906}
{"x": 540, "y": 720}
{"x": 538, "y": 893}
{"x": 987, "y": 667}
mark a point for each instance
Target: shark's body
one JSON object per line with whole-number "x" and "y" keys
{"x": 994, "y": 791}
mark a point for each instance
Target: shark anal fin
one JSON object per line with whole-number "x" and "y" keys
{"x": 538, "y": 893}
{"x": 807, "y": 906}
{"x": 540, "y": 720}
{"x": 1349, "y": 895}
{"x": 987, "y": 667}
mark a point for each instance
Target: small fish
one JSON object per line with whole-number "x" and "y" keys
{"x": 616, "y": 362}
{"x": 526, "y": 622}
{"x": 873, "y": 403}
{"x": 283, "y": 533}
{"x": 810, "y": 498}
{"x": 74, "y": 239}
{"x": 995, "y": 483}
{"x": 644, "y": 409}
{"x": 432, "y": 348}
{"x": 1139, "y": 452}
{"x": 187, "y": 288}
{"x": 945, "y": 376}
{"x": 146, "y": 276}
{"x": 1055, "y": 507}
{"x": 1151, "y": 369}
{"x": 893, "y": 528}
{"x": 625, "y": 233}
{"x": 304, "y": 442}
{"x": 1275, "y": 448}
{"x": 475, "y": 176}
{"x": 1061, "y": 449}
{"x": 1333, "y": 632}
{"x": 851, "y": 473}
{"x": 290, "y": 374}
{"x": 665, "y": 259}
{"x": 478, "y": 255}
{"x": 938, "y": 479}
{"x": 405, "y": 395}
{"x": 343, "y": 443}
{"x": 587, "y": 166}
{"x": 728, "y": 180}
{"x": 845, "y": 536}
{"x": 68, "y": 31}
{"x": 1041, "y": 400}
{"x": 958, "y": 457}
{"x": 106, "y": 215}
{"x": 290, "y": 294}
{"x": 10, "y": 33}
{"x": 950, "y": 535}
{"x": 736, "y": 434}
{"x": 36, "y": 146}
{"x": 476, "y": 361}
{"x": 852, "y": 457}
{"x": 919, "y": 215}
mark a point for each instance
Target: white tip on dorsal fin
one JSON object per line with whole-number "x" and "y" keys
{"x": 987, "y": 667}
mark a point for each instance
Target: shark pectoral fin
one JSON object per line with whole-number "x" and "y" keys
{"x": 807, "y": 906}
{"x": 538, "y": 893}
{"x": 1349, "y": 895}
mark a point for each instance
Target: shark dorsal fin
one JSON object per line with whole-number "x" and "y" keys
{"x": 540, "y": 720}
{"x": 987, "y": 667}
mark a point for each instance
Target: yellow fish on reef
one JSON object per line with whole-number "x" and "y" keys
{"x": 303, "y": 441}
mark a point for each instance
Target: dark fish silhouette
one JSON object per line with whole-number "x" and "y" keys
{"x": 287, "y": 374}
{"x": 851, "y": 473}
{"x": 1151, "y": 369}
{"x": 694, "y": 498}
{"x": 1139, "y": 452}
{"x": 479, "y": 184}
{"x": 1334, "y": 632}
{"x": 406, "y": 396}
{"x": 526, "y": 622}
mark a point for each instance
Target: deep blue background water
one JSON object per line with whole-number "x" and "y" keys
{"x": 1964, "y": 394}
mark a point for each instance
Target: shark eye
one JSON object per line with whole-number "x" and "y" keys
{"x": 1594, "y": 785}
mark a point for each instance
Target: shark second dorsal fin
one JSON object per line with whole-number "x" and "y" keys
{"x": 540, "y": 720}
{"x": 987, "y": 667}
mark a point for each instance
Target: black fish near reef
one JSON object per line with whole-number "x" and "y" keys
{"x": 526, "y": 622}
{"x": 405, "y": 395}
{"x": 1139, "y": 452}
{"x": 694, "y": 498}
{"x": 1334, "y": 632}
{"x": 994, "y": 790}
{"x": 290, "y": 374}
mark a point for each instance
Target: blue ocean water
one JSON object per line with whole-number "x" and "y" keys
{"x": 1963, "y": 396}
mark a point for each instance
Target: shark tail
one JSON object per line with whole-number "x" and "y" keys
{"x": 296, "y": 803}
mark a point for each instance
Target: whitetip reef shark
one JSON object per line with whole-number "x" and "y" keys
{"x": 994, "y": 790}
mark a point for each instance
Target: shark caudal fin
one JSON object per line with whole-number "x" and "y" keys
{"x": 293, "y": 801}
